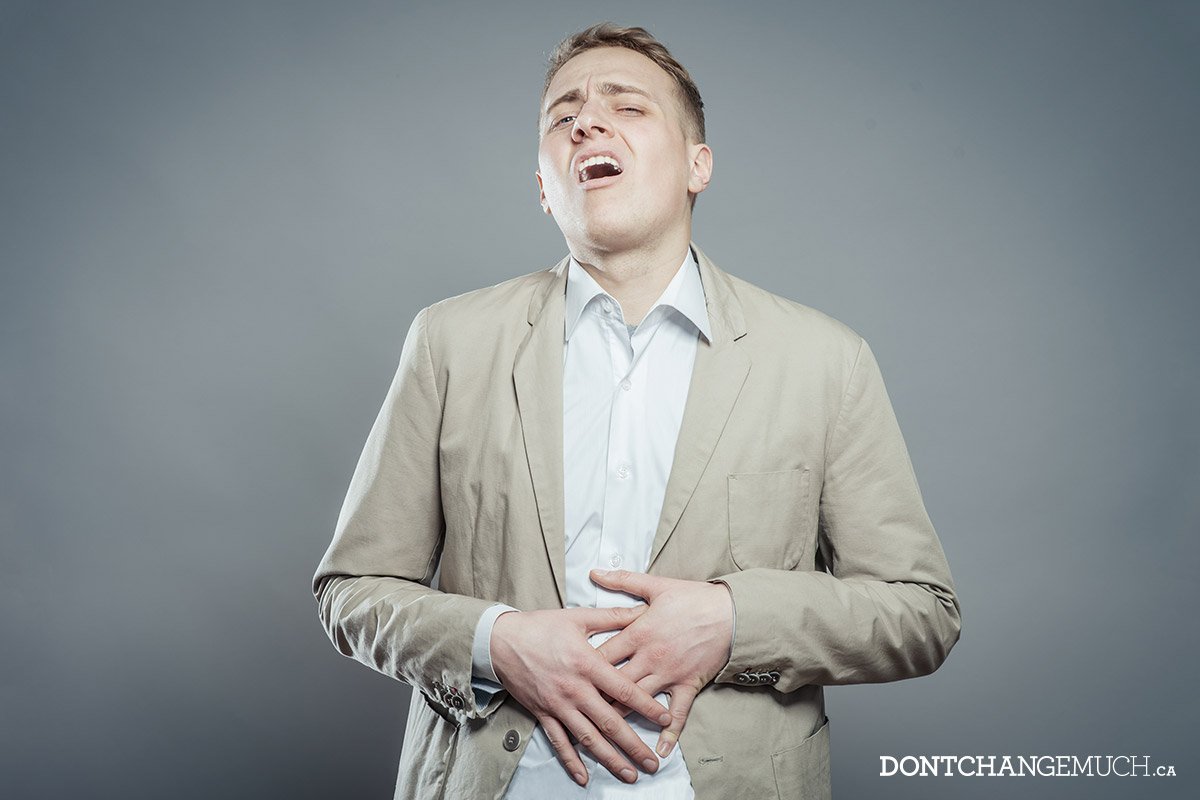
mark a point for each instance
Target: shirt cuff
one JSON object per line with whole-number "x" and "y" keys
{"x": 481, "y": 648}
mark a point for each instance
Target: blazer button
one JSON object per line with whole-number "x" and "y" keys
{"x": 512, "y": 740}
{"x": 742, "y": 678}
{"x": 774, "y": 676}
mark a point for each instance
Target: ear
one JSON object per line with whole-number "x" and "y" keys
{"x": 702, "y": 167}
{"x": 542, "y": 192}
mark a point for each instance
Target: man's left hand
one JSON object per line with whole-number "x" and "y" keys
{"x": 678, "y": 645}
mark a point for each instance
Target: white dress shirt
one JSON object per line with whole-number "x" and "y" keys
{"x": 624, "y": 392}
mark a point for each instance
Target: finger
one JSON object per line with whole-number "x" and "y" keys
{"x": 616, "y": 685}
{"x": 619, "y": 647}
{"x": 637, "y": 584}
{"x": 618, "y": 731}
{"x": 567, "y": 753}
{"x": 635, "y": 670}
{"x": 597, "y": 620}
{"x": 682, "y": 696}
{"x": 652, "y": 684}
{"x": 601, "y": 749}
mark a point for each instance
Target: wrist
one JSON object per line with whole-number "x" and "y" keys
{"x": 499, "y": 647}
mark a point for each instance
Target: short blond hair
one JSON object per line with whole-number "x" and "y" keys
{"x": 606, "y": 34}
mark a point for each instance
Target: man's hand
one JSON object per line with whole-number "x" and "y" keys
{"x": 678, "y": 646}
{"x": 545, "y": 662}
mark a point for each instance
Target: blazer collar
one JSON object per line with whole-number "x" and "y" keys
{"x": 720, "y": 300}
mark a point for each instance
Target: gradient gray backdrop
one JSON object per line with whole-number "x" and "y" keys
{"x": 218, "y": 219}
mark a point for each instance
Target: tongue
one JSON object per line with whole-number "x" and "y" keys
{"x": 600, "y": 171}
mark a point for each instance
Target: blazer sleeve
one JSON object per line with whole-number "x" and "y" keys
{"x": 886, "y": 609}
{"x": 373, "y": 586}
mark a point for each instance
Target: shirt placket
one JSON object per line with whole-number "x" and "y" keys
{"x": 620, "y": 496}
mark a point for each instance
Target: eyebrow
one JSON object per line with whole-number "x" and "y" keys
{"x": 605, "y": 88}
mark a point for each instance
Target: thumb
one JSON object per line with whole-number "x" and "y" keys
{"x": 681, "y": 705}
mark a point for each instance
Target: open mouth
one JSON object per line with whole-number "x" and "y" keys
{"x": 598, "y": 167}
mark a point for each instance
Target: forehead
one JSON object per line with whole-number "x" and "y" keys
{"x": 614, "y": 64}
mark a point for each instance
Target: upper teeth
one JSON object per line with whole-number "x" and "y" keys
{"x": 594, "y": 160}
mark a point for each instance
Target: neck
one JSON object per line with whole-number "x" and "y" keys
{"x": 635, "y": 278}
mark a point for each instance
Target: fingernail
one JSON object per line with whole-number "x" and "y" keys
{"x": 664, "y": 748}
{"x": 650, "y": 765}
{"x": 629, "y": 775}
{"x": 601, "y": 571}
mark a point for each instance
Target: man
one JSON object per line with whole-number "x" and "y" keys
{"x": 732, "y": 455}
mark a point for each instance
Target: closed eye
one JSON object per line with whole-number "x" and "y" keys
{"x": 562, "y": 120}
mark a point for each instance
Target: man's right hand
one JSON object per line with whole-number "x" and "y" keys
{"x": 545, "y": 662}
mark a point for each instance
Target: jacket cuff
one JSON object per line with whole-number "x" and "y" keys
{"x": 753, "y": 661}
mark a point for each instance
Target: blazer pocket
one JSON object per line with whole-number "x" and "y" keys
{"x": 802, "y": 772}
{"x": 769, "y": 518}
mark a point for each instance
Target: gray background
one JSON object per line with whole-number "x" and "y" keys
{"x": 217, "y": 221}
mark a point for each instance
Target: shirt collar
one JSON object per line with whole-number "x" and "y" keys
{"x": 685, "y": 294}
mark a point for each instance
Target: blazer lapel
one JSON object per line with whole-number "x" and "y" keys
{"x": 718, "y": 375}
{"x": 537, "y": 377}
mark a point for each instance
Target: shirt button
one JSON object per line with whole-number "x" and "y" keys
{"x": 607, "y": 306}
{"x": 626, "y": 384}
{"x": 623, "y": 471}
{"x": 614, "y": 560}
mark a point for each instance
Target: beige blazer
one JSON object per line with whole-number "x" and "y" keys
{"x": 791, "y": 482}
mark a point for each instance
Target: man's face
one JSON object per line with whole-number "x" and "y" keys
{"x": 615, "y": 102}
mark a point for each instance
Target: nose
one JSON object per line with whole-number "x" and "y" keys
{"x": 590, "y": 121}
